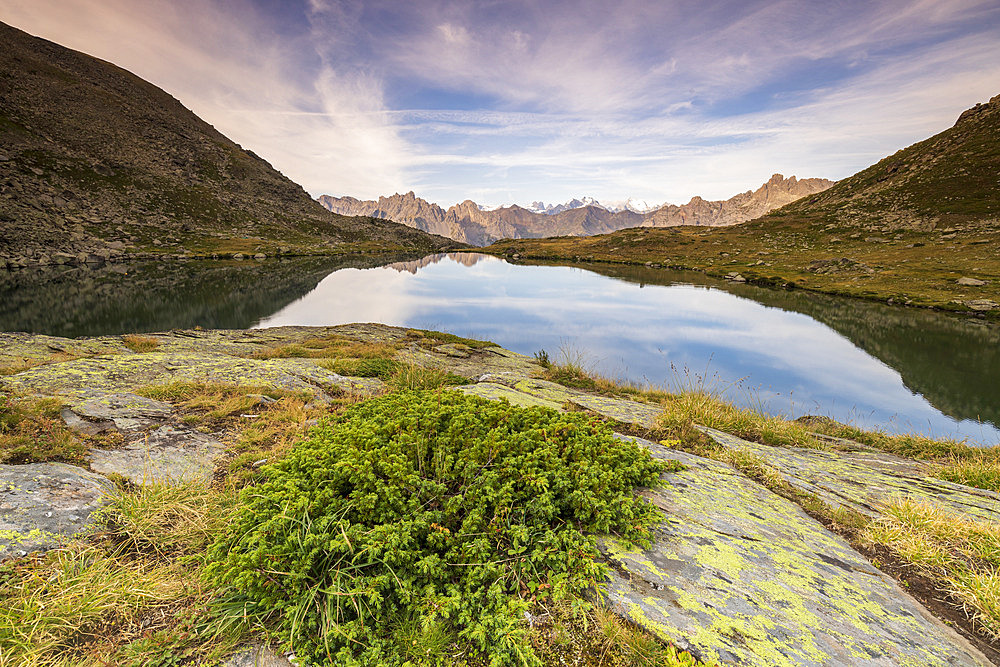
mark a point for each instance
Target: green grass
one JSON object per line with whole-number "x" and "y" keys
{"x": 377, "y": 367}
{"x": 979, "y": 470}
{"x": 427, "y": 338}
{"x": 411, "y": 377}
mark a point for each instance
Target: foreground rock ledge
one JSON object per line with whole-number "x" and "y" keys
{"x": 736, "y": 573}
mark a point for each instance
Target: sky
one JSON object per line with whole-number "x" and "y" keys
{"x": 515, "y": 102}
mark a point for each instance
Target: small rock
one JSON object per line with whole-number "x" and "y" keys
{"x": 735, "y": 277}
{"x": 82, "y": 425}
{"x": 238, "y": 256}
{"x": 258, "y": 656}
{"x": 982, "y": 304}
{"x": 970, "y": 282}
{"x": 260, "y": 255}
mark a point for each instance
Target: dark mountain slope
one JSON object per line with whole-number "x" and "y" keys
{"x": 949, "y": 180}
{"x": 95, "y": 160}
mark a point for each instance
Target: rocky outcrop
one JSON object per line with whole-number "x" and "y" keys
{"x": 740, "y": 575}
{"x": 42, "y": 504}
{"x": 469, "y": 223}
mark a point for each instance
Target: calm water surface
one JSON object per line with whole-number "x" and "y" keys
{"x": 791, "y": 352}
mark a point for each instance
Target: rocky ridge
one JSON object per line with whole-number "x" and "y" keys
{"x": 469, "y": 223}
{"x": 97, "y": 164}
{"x": 735, "y": 573}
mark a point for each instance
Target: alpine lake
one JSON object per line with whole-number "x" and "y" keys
{"x": 785, "y": 352}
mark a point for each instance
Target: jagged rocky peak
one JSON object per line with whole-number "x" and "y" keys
{"x": 980, "y": 110}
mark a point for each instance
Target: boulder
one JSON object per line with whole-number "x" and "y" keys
{"x": 982, "y": 304}
{"x": 970, "y": 282}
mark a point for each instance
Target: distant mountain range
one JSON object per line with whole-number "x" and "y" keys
{"x": 471, "y": 223}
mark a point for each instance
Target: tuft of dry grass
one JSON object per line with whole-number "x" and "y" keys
{"x": 20, "y": 364}
{"x": 961, "y": 551}
{"x": 32, "y": 431}
{"x": 980, "y": 469}
{"x": 139, "y": 344}
{"x": 595, "y": 637}
{"x": 167, "y": 520}
{"x": 331, "y": 347}
{"x": 131, "y": 595}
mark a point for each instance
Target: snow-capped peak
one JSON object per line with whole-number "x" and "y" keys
{"x": 634, "y": 205}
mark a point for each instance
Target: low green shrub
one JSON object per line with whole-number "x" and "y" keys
{"x": 429, "y": 514}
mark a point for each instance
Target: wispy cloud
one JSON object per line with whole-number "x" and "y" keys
{"x": 526, "y": 100}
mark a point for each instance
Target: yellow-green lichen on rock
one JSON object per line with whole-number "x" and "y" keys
{"x": 43, "y": 503}
{"x": 738, "y": 574}
{"x": 523, "y": 390}
{"x": 864, "y": 479}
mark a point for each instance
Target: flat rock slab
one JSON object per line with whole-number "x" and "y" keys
{"x": 124, "y": 411}
{"x": 42, "y": 504}
{"x": 740, "y": 575}
{"x": 520, "y": 390}
{"x": 123, "y": 373}
{"x": 470, "y": 362}
{"x": 121, "y": 405}
{"x": 866, "y": 480}
{"x": 169, "y": 454}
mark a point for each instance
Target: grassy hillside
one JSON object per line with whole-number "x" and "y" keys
{"x": 96, "y": 161}
{"x": 909, "y": 229}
